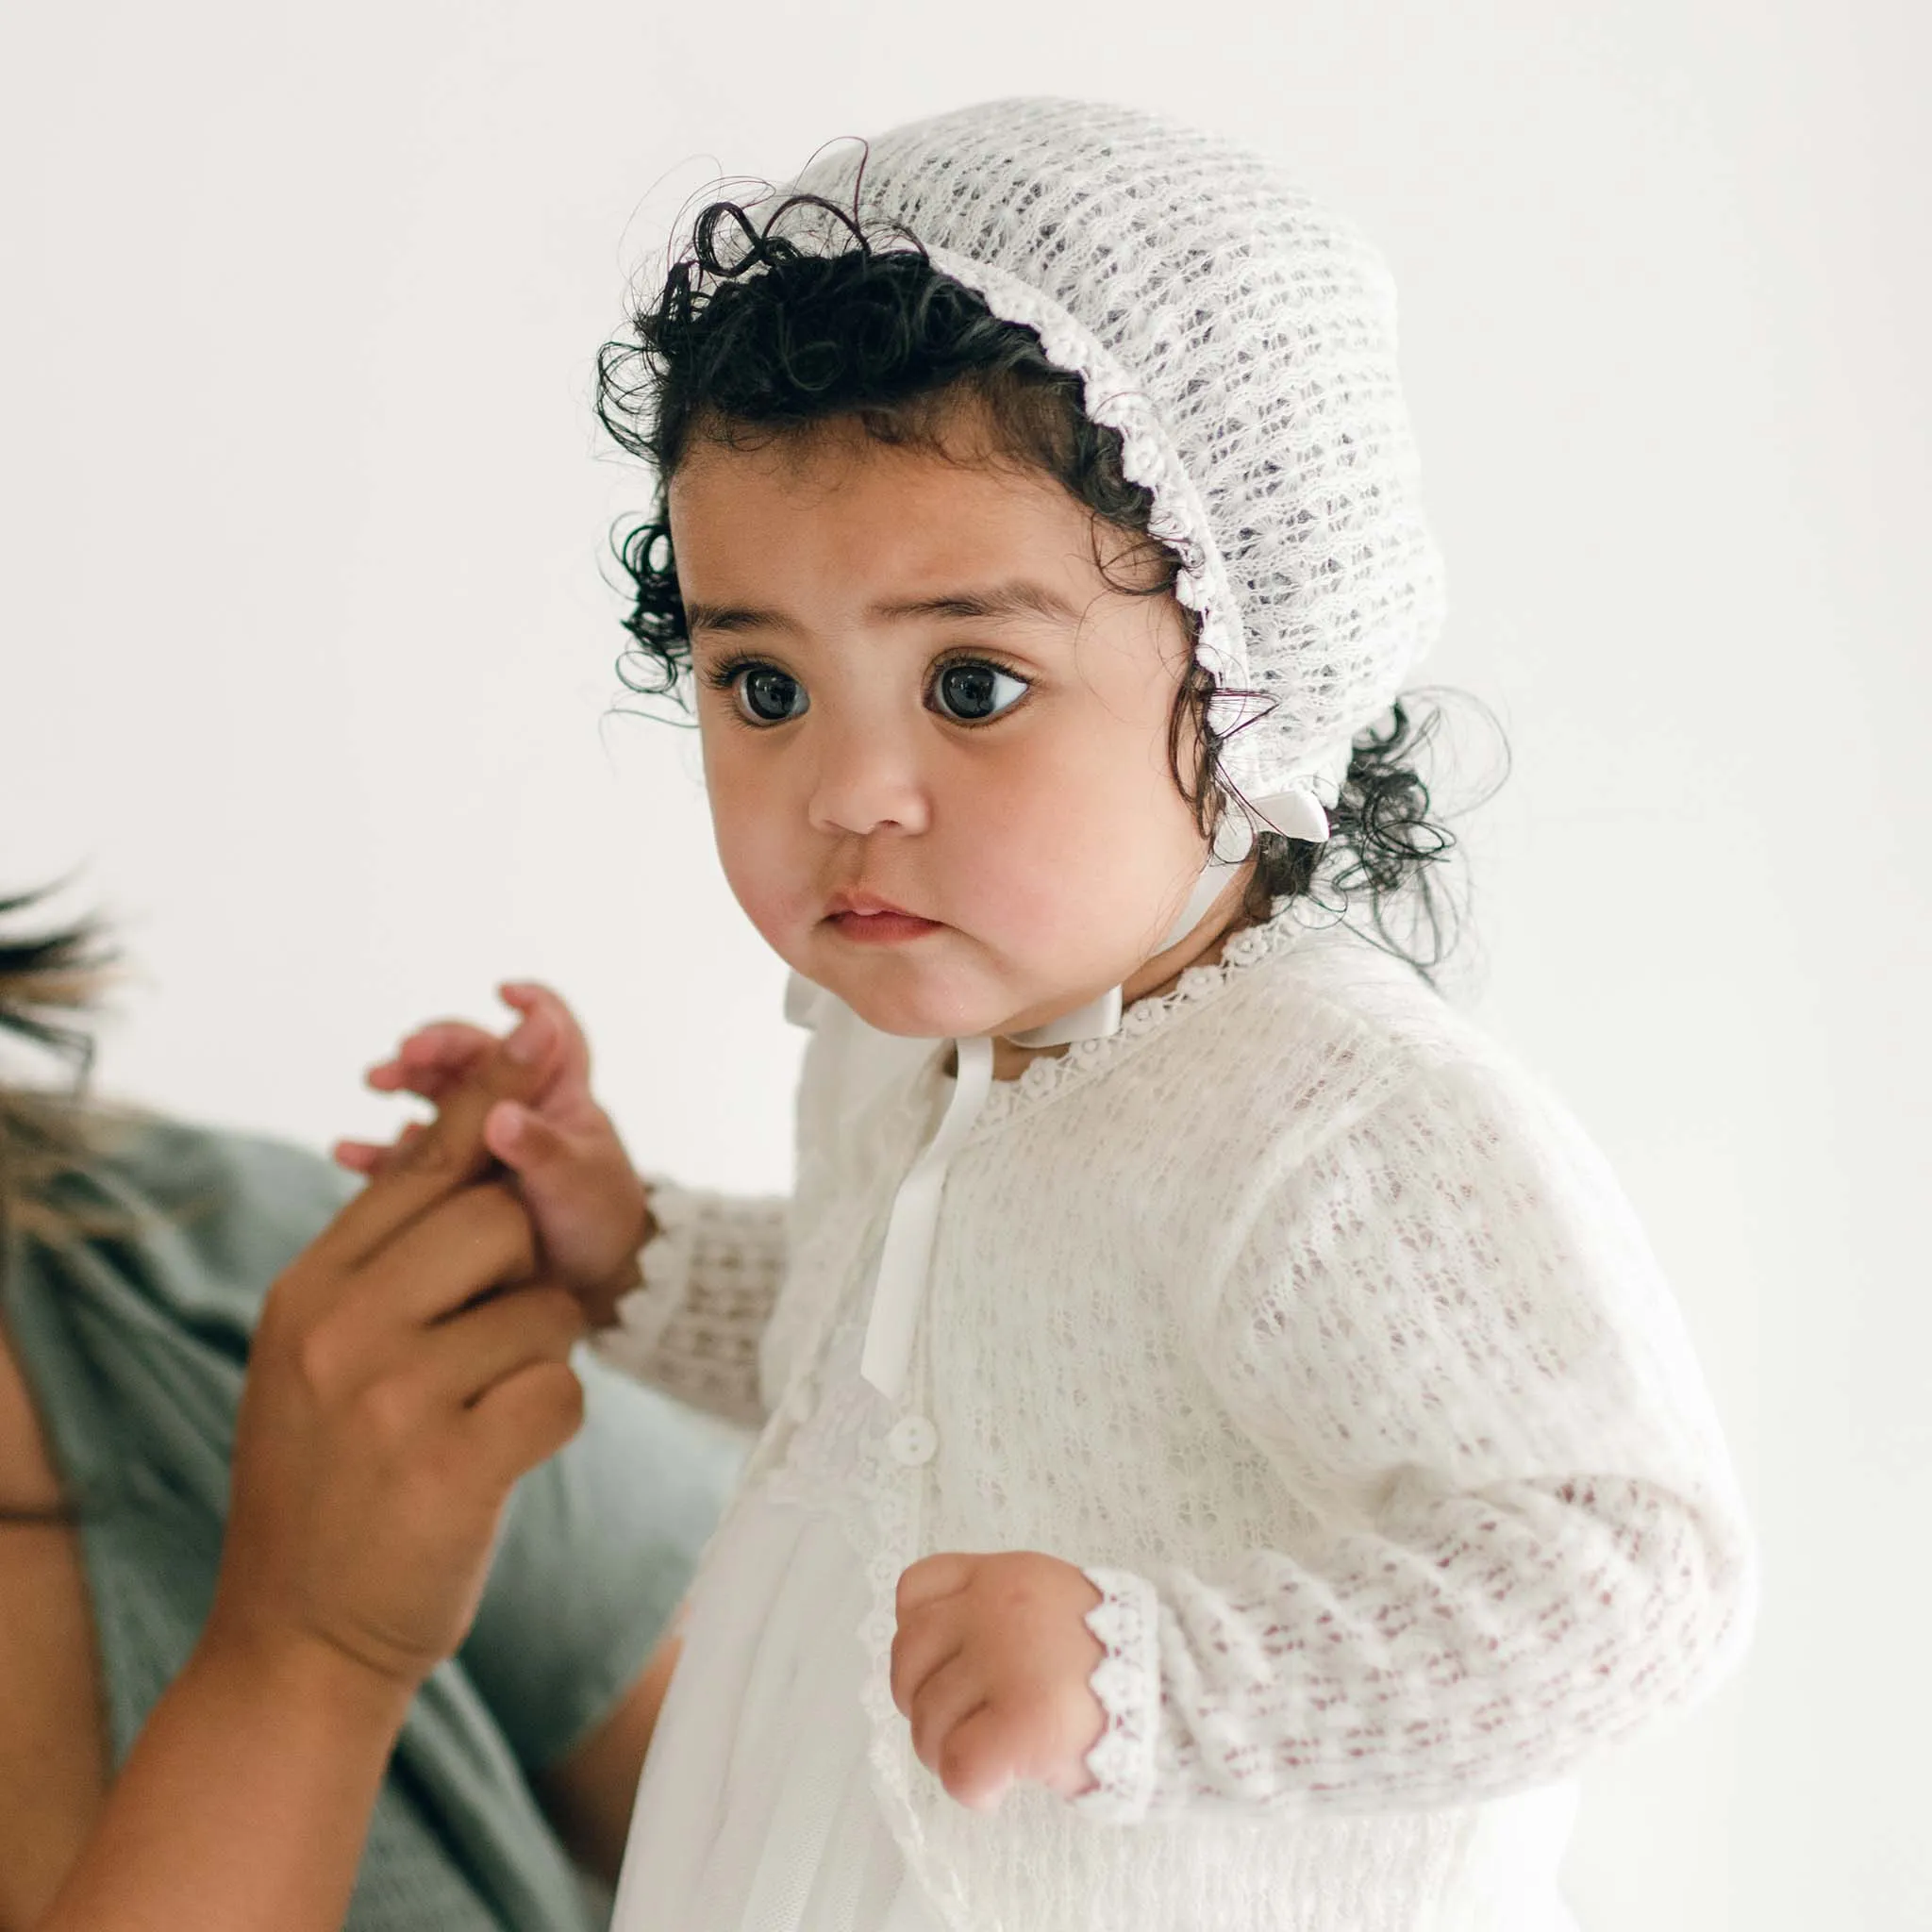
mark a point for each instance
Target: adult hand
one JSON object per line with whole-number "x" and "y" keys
{"x": 407, "y": 1370}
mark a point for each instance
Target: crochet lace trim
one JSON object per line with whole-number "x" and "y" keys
{"x": 1045, "y": 1079}
{"x": 1126, "y": 1682}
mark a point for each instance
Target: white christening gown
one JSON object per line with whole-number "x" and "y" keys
{"x": 757, "y": 1811}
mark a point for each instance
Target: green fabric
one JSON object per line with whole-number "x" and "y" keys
{"x": 135, "y": 1346}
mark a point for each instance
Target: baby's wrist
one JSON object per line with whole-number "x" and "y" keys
{"x": 600, "y": 1301}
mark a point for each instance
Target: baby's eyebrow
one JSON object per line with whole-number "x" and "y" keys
{"x": 732, "y": 617}
{"x": 1017, "y": 598}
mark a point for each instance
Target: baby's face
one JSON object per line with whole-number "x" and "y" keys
{"x": 936, "y": 739}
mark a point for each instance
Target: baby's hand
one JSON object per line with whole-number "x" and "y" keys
{"x": 590, "y": 1212}
{"x": 990, "y": 1664}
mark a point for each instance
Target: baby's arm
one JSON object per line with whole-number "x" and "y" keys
{"x": 709, "y": 1275}
{"x": 679, "y": 1284}
{"x": 1446, "y": 1332}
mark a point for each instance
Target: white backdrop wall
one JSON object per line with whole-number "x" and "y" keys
{"x": 307, "y": 657}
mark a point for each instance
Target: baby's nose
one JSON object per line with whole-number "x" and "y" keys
{"x": 868, "y": 781}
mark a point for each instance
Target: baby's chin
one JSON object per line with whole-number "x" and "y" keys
{"x": 905, "y": 999}
{"x": 911, "y": 1017}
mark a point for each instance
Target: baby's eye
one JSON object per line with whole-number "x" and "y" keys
{"x": 972, "y": 691}
{"x": 767, "y": 695}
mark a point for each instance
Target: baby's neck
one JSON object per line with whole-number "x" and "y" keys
{"x": 1157, "y": 976}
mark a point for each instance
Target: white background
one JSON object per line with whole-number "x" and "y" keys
{"x": 307, "y": 660}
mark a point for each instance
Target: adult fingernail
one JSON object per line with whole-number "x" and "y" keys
{"x": 524, "y": 1043}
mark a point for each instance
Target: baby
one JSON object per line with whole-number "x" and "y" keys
{"x": 1227, "y": 1457}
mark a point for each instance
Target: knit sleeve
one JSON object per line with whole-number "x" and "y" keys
{"x": 712, "y": 1275}
{"x": 1446, "y": 1335}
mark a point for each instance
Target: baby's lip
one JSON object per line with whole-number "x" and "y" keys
{"x": 868, "y": 906}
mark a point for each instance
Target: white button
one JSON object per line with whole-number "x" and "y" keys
{"x": 912, "y": 1441}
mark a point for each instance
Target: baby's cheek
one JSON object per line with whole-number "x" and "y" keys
{"x": 1003, "y": 851}
{"x": 1060, "y": 909}
{"x": 770, "y": 882}
{"x": 1010, "y": 898}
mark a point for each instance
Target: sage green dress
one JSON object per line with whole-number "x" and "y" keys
{"x": 134, "y": 1343}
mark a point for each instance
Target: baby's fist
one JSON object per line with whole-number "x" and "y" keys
{"x": 991, "y": 1665}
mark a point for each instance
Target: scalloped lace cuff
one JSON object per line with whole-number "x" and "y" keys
{"x": 1126, "y": 1681}
{"x": 665, "y": 1263}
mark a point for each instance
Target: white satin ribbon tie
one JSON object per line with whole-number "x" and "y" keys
{"x": 905, "y": 1259}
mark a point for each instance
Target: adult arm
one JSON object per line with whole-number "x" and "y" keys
{"x": 392, "y": 1401}
{"x": 244, "y": 1801}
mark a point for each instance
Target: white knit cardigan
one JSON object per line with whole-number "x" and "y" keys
{"x": 1319, "y": 1335}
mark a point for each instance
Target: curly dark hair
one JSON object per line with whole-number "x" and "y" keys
{"x": 754, "y": 337}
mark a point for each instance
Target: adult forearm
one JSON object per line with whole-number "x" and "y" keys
{"x": 244, "y": 1803}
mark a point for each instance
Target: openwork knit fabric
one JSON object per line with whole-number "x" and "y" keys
{"x": 1347, "y": 1376}
{"x": 1242, "y": 339}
